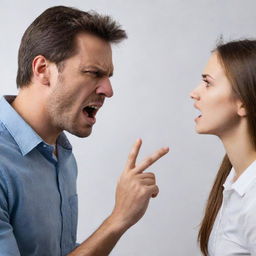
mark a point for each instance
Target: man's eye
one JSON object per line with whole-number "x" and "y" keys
{"x": 93, "y": 73}
{"x": 96, "y": 73}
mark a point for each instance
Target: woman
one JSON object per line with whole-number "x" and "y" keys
{"x": 226, "y": 99}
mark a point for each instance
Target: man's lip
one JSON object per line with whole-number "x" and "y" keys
{"x": 97, "y": 104}
{"x": 91, "y": 120}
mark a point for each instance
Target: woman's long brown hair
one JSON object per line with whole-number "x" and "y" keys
{"x": 238, "y": 58}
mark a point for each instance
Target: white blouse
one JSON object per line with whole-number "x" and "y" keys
{"x": 234, "y": 230}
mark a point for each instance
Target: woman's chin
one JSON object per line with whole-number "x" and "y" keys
{"x": 200, "y": 130}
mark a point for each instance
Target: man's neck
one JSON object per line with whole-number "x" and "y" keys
{"x": 31, "y": 108}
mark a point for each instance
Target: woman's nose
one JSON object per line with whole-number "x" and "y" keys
{"x": 194, "y": 94}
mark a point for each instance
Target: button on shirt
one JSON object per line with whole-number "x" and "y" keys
{"x": 38, "y": 201}
{"x": 234, "y": 230}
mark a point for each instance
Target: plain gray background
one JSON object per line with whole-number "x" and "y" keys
{"x": 155, "y": 69}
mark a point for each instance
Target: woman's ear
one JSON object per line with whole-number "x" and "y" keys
{"x": 241, "y": 110}
{"x": 40, "y": 67}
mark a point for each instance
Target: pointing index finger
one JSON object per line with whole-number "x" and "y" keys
{"x": 151, "y": 159}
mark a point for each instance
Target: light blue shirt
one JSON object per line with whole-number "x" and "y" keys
{"x": 38, "y": 199}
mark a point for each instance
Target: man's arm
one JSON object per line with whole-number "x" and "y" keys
{"x": 134, "y": 190}
{"x": 8, "y": 244}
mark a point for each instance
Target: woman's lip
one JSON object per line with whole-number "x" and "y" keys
{"x": 197, "y": 118}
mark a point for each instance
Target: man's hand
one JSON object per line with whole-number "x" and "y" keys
{"x": 134, "y": 190}
{"x": 135, "y": 187}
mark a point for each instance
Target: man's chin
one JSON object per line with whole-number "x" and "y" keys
{"x": 81, "y": 134}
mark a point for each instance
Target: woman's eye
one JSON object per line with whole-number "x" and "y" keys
{"x": 207, "y": 84}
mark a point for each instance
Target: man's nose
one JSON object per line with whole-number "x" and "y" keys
{"x": 105, "y": 87}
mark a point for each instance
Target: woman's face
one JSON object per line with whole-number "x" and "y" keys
{"x": 216, "y": 101}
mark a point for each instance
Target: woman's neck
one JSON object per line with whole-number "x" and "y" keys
{"x": 239, "y": 148}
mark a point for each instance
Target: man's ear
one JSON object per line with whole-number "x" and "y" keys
{"x": 40, "y": 67}
{"x": 241, "y": 110}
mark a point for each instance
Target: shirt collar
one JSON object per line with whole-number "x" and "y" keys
{"x": 25, "y": 137}
{"x": 64, "y": 142}
{"x": 22, "y": 133}
{"x": 242, "y": 184}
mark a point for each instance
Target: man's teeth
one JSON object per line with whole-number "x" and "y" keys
{"x": 95, "y": 107}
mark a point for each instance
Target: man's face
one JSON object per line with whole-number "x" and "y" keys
{"x": 79, "y": 89}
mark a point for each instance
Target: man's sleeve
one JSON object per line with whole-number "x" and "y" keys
{"x": 8, "y": 244}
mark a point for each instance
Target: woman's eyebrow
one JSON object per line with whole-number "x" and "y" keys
{"x": 207, "y": 75}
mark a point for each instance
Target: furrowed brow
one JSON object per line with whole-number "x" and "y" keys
{"x": 100, "y": 70}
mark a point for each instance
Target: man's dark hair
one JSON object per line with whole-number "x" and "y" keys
{"x": 52, "y": 35}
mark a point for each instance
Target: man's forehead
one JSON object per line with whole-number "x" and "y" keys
{"x": 94, "y": 61}
{"x": 93, "y": 50}
{"x": 91, "y": 43}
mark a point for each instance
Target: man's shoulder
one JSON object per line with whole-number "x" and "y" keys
{"x": 9, "y": 150}
{"x": 6, "y": 139}
{"x": 2, "y": 127}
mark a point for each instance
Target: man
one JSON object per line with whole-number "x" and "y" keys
{"x": 64, "y": 67}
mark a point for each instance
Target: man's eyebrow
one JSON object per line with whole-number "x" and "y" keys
{"x": 206, "y": 75}
{"x": 100, "y": 70}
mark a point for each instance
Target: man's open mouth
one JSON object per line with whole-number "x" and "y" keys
{"x": 91, "y": 111}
